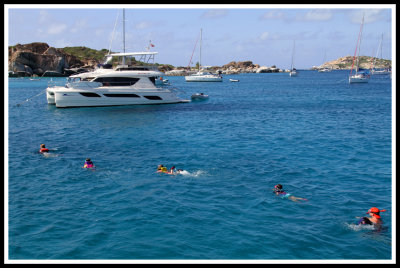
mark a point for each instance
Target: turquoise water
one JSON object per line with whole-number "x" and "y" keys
{"x": 318, "y": 136}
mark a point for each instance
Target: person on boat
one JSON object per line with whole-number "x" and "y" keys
{"x": 374, "y": 219}
{"x": 88, "y": 163}
{"x": 278, "y": 190}
{"x": 43, "y": 149}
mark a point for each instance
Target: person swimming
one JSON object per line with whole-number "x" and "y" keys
{"x": 278, "y": 190}
{"x": 88, "y": 163}
{"x": 374, "y": 219}
{"x": 43, "y": 148}
{"x": 162, "y": 169}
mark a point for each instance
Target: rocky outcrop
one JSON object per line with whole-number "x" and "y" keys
{"x": 230, "y": 68}
{"x": 178, "y": 72}
{"x": 40, "y": 59}
{"x": 345, "y": 63}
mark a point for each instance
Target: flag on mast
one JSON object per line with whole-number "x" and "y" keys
{"x": 150, "y": 45}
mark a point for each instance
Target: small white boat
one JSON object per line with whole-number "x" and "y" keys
{"x": 202, "y": 75}
{"x": 359, "y": 78}
{"x": 199, "y": 96}
{"x": 293, "y": 72}
{"x": 324, "y": 70}
{"x": 234, "y": 80}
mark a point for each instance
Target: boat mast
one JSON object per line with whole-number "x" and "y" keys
{"x": 123, "y": 34}
{"x": 291, "y": 67}
{"x": 359, "y": 47}
{"x": 201, "y": 38}
{"x": 356, "y": 55}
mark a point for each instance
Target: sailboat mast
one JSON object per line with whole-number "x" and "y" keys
{"x": 355, "y": 58}
{"x": 201, "y": 39}
{"x": 123, "y": 34}
{"x": 294, "y": 43}
{"x": 359, "y": 46}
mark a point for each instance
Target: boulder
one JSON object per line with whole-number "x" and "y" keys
{"x": 37, "y": 58}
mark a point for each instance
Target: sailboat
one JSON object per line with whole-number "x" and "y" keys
{"x": 379, "y": 71}
{"x": 324, "y": 69}
{"x": 293, "y": 71}
{"x": 358, "y": 77}
{"x": 202, "y": 75}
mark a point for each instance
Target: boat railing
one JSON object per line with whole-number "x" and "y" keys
{"x": 172, "y": 89}
{"x": 137, "y": 68}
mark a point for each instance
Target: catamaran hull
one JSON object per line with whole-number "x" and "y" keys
{"x": 64, "y": 97}
{"x": 50, "y": 96}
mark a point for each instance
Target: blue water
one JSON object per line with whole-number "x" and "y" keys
{"x": 320, "y": 137}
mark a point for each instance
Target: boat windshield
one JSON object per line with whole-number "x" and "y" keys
{"x": 73, "y": 79}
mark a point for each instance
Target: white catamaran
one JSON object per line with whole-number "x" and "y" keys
{"x": 126, "y": 84}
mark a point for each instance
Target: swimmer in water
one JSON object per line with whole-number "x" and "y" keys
{"x": 172, "y": 171}
{"x": 374, "y": 219}
{"x": 88, "y": 163}
{"x": 43, "y": 149}
{"x": 162, "y": 169}
{"x": 278, "y": 190}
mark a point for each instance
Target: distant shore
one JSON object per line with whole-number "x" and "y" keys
{"x": 41, "y": 60}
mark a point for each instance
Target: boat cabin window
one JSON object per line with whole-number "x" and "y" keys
{"x": 116, "y": 81}
{"x": 73, "y": 79}
{"x": 153, "y": 80}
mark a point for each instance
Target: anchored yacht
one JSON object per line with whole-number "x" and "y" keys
{"x": 135, "y": 80}
{"x": 124, "y": 85}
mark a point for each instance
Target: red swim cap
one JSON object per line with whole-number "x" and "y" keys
{"x": 375, "y": 211}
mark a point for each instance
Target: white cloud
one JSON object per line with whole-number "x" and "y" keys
{"x": 317, "y": 15}
{"x": 264, "y": 36}
{"x": 273, "y": 15}
{"x": 370, "y": 15}
{"x": 56, "y": 28}
{"x": 43, "y": 16}
{"x": 214, "y": 14}
{"x": 79, "y": 25}
{"x": 143, "y": 25}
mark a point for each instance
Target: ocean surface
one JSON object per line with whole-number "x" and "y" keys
{"x": 320, "y": 137}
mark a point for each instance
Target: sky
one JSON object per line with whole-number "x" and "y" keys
{"x": 264, "y": 34}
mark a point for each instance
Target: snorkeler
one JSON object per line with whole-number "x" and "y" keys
{"x": 172, "y": 170}
{"x": 374, "y": 219}
{"x": 43, "y": 149}
{"x": 278, "y": 190}
{"x": 88, "y": 163}
{"x": 162, "y": 169}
